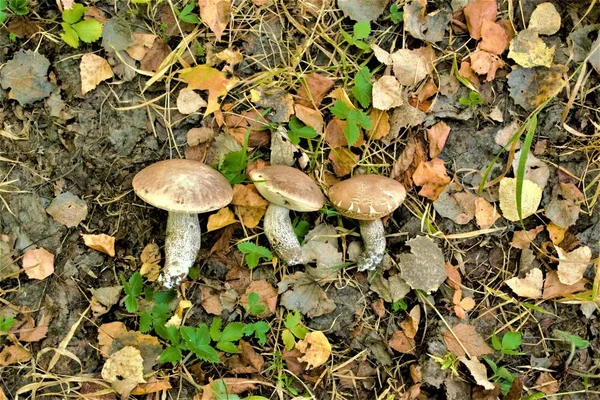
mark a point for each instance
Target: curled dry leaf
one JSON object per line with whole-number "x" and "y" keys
{"x": 102, "y": 243}
{"x": 410, "y": 325}
{"x": 196, "y": 136}
{"x": 104, "y": 298}
{"x": 572, "y": 265}
{"x": 316, "y": 349}
{"x": 467, "y": 336}
{"x": 387, "y": 93}
{"x": 124, "y": 369}
{"x": 154, "y": 385}
{"x": 220, "y": 219}
{"x": 545, "y": 20}
{"x": 432, "y": 177}
{"x": 530, "y": 286}
{"x": 93, "y": 69}
{"x": 478, "y": 371}
{"x": 38, "y": 263}
{"x": 556, "y": 233}
{"x": 530, "y": 198}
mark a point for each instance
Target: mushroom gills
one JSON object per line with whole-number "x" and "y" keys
{"x": 373, "y": 235}
{"x": 182, "y": 244}
{"x": 280, "y": 233}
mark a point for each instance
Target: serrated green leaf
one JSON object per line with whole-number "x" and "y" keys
{"x": 292, "y": 319}
{"x": 145, "y": 322}
{"x": 301, "y": 228}
{"x": 3, "y": 15}
{"x": 340, "y": 109}
{"x": 88, "y": 30}
{"x": 69, "y": 36}
{"x": 361, "y": 118}
{"x": 254, "y": 307}
{"x": 131, "y": 304}
{"x": 172, "y": 334}
{"x": 253, "y": 253}
{"x": 363, "y": 90}
{"x": 206, "y": 353}
{"x": 259, "y": 329}
{"x": 351, "y": 132}
{"x": 232, "y": 332}
{"x": 74, "y": 14}
{"x": 171, "y": 354}
{"x": 215, "y": 329}
{"x": 362, "y": 30}
{"x": 137, "y": 284}
{"x": 164, "y": 296}
{"x": 228, "y": 347}
{"x": 161, "y": 312}
{"x": 288, "y": 339}
{"x": 19, "y": 7}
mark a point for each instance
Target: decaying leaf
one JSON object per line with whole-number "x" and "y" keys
{"x": 437, "y": 136}
{"x": 553, "y": 287}
{"x": 392, "y": 289}
{"x": 423, "y": 268}
{"x": 412, "y": 66}
{"x": 523, "y": 239}
{"x": 312, "y": 93}
{"x": 267, "y": 297}
{"x": 220, "y": 219}
{"x": 387, "y": 93}
{"x": 530, "y": 286}
{"x": 485, "y": 213}
{"x": 152, "y": 386}
{"x": 485, "y": 63}
{"x": 216, "y": 14}
{"x": 30, "y": 332}
{"x": 572, "y": 265}
{"x": 140, "y": 44}
{"x": 402, "y": 343}
{"x": 545, "y": 20}
{"x": 428, "y": 27}
{"x": 248, "y": 204}
{"x": 410, "y": 325}
{"x": 530, "y": 87}
{"x": 278, "y": 100}
{"x": 93, "y": 70}
{"x": 359, "y": 10}
{"x": 468, "y": 339}
{"x": 478, "y": 371}
{"x": 211, "y": 302}
{"x": 316, "y": 349}
{"x": 102, "y": 243}
{"x": 104, "y": 298}
{"x": 301, "y": 292}
{"x": 310, "y": 117}
{"x": 528, "y": 50}
{"x": 14, "y": 354}
{"x": 107, "y": 334}
{"x": 38, "y": 263}
{"x": 536, "y": 170}
{"x": 530, "y": 198}
{"x": 476, "y": 13}
{"x": 205, "y": 77}
{"x": 68, "y": 209}
{"x": 124, "y": 369}
{"x": 456, "y": 204}
{"x": 189, "y": 102}
{"x": 546, "y": 383}
{"x": 432, "y": 177}
{"x": 229, "y": 386}
{"x": 27, "y": 76}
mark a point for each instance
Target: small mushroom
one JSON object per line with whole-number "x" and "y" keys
{"x": 184, "y": 188}
{"x": 287, "y": 189}
{"x": 368, "y": 198}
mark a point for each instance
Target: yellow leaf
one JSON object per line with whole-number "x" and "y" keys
{"x": 530, "y": 198}
{"x": 124, "y": 369}
{"x": 316, "y": 349}
{"x": 93, "y": 70}
{"x": 205, "y": 77}
{"x": 530, "y": 286}
{"x": 528, "y": 50}
{"x": 102, "y": 243}
{"x": 222, "y": 218}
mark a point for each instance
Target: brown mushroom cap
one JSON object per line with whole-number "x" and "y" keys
{"x": 367, "y": 197}
{"x": 184, "y": 186}
{"x": 288, "y": 187}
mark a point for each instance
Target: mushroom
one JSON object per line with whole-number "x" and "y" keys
{"x": 368, "y": 198}
{"x": 287, "y": 189}
{"x": 184, "y": 188}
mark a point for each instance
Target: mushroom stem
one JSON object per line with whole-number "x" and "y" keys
{"x": 280, "y": 233}
{"x": 373, "y": 235}
{"x": 182, "y": 244}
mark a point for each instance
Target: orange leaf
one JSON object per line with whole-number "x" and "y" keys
{"x": 437, "y": 135}
{"x": 151, "y": 387}
{"x": 220, "y": 219}
{"x": 14, "y": 354}
{"x": 102, "y": 243}
{"x": 216, "y": 14}
{"x": 93, "y": 70}
{"x": 432, "y": 177}
{"x": 402, "y": 343}
{"x": 205, "y": 77}
{"x": 38, "y": 263}
{"x": 343, "y": 161}
{"x": 476, "y": 13}
{"x": 470, "y": 339}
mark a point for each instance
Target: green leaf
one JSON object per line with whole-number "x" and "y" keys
{"x": 254, "y": 307}
{"x": 298, "y": 130}
{"x": 232, "y": 332}
{"x": 19, "y": 7}
{"x": 137, "y": 284}
{"x": 190, "y": 19}
{"x": 399, "y": 305}
{"x": 215, "y": 329}
{"x": 194, "y": 273}
{"x": 145, "y": 322}
{"x": 259, "y": 329}
{"x": 3, "y": 15}
{"x": 172, "y": 334}
{"x": 340, "y": 109}
{"x": 299, "y": 331}
{"x": 197, "y": 341}
{"x": 395, "y": 14}
{"x": 496, "y": 342}
{"x": 187, "y": 9}
{"x": 164, "y": 296}
{"x": 363, "y": 90}
{"x": 74, "y": 14}
{"x": 171, "y": 354}
{"x": 89, "y": 30}
{"x": 288, "y": 339}
{"x": 131, "y": 304}
{"x": 511, "y": 340}
{"x": 361, "y": 118}
{"x": 253, "y": 253}
{"x": 6, "y": 324}
{"x": 575, "y": 340}
{"x": 362, "y": 45}
{"x": 347, "y": 37}
{"x": 351, "y": 132}
{"x": 292, "y": 319}
{"x": 362, "y": 30}
{"x": 69, "y": 36}
{"x": 161, "y": 312}
{"x": 233, "y": 165}
{"x": 228, "y": 347}
{"x": 301, "y": 228}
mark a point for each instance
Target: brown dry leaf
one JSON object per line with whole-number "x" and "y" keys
{"x": 196, "y": 136}
{"x": 249, "y": 204}
{"x": 545, "y": 20}
{"x": 484, "y": 63}
{"x": 150, "y": 254}
{"x": 93, "y": 70}
{"x": 343, "y": 160}
{"x": 467, "y": 72}
{"x": 140, "y": 44}
{"x": 556, "y": 233}
{"x": 470, "y": 339}
{"x": 106, "y": 297}
{"x": 530, "y": 286}
{"x": 28, "y": 332}
{"x": 215, "y": 14}
{"x": 267, "y": 297}
{"x": 150, "y": 271}
{"x": 278, "y": 100}
{"x": 102, "y": 243}
{"x": 402, "y": 343}
{"x": 454, "y": 280}
{"x": 458, "y": 206}
{"x": 233, "y": 385}
{"x": 154, "y": 385}
{"x": 477, "y": 12}
{"x": 188, "y": 102}
{"x": 301, "y": 292}
{"x": 546, "y": 383}
{"x": 530, "y": 198}
{"x": 205, "y": 77}
{"x": 38, "y": 263}
{"x": 523, "y": 239}
{"x": 553, "y": 287}
{"x": 572, "y": 265}
{"x": 387, "y": 93}
{"x": 312, "y": 93}
{"x": 437, "y": 136}
{"x": 381, "y": 124}
{"x": 316, "y": 349}
{"x": 414, "y": 152}
{"x": 14, "y": 354}
{"x": 493, "y": 38}
{"x": 529, "y": 51}
{"x": 485, "y": 213}
{"x": 412, "y": 66}
{"x": 479, "y": 372}
{"x": 310, "y": 117}
{"x": 107, "y": 334}
{"x": 432, "y": 177}
{"x": 251, "y": 357}
{"x": 410, "y": 325}
{"x": 211, "y": 301}
{"x": 334, "y": 133}
{"x": 220, "y": 219}
{"x": 155, "y": 56}
{"x": 124, "y": 369}
{"x": 430, "y": 27}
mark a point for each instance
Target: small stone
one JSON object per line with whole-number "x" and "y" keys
{"x": 68, "y": 209}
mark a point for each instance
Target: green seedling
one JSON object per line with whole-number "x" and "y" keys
{"x": 301, "y": 228}
{"x": 363, "y": 89}
{"x": 259, "y": 330}
{"x": 501, "y": 375}
{"x": 295, "y": 330}
{"x": 399, "y": 305}
{"x": 185, "y": 15}
{"x": 297, "y": 130}
{"x": 360, "y": 31}
{"x": 6, "y": 324}
{"x": 575, "y": 341}
{"x": 396, "y": 15}
{"x": 253, "y": 253}
{"x": 354, "y": 119}
{"x": 133, "y": 289}
{"x": 74, "y": 29}
{"x": 254, "y": 306}
{"x": 473, "y": 100}
{"x": 15, "y": 7}
{"x": 327, "y": 211}
{"x": 510, "y": 342}
{"x": 448, "y": 362}
{"x": 220, "y": 391}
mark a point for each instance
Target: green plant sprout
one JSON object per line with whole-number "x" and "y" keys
{"x": 473, "y": 100}
{"x": 297, "y": 130}
{"x": 15, "y": 7}
{"x": 74, "y": 29}
{"x": 354, "y": 119}
{"x": 295, "y": 330}
{"x": 501, "y": 375}
{"x": 363, "y": 89}
{"x": 511, "y": 341}
{"x": 575, "y": 341}
{"x": 185, "y": 15}
{"x": 360, "y": 31}
{"x": 301, "y": 228}
{"x": 396, "y": 16}
{"x": 254, "y": 306}
{"x": 253, "y": 253}
{"x": 133, "y": 289}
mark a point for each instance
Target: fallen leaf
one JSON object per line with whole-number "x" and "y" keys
{"x": 14, "y": 354}
{"x": 485, "y": 213}
{"x": 316, "y": 349}
{"x": 321, "y": 246}
{"x": 387, "y": 93}
{"x": 523, "y": 239}
{"x": 140, "y": 44}
{"x": 454, "y": 280}
{"x": 282, "y": 149}
{"x": 530, "y": 198}
{"x": 216, "y": 14}
{"x": 412, "y": 66}
{"x": 231, "y": 386}
{"x": 247, "y": 362}
{"x": 562, "y": 212}
{"x": 470, "y": 339}
{"x": 152, "y": 386}
{"x": 427, "y": 27}
{"x": 211, "y": 302}
{"x": 188, "y": 102}
{"x": 478, "y": 371}
{"x": 29, "y": 332}
{"x": 334, "y": 134}
{"x": 150, "y": 254}
{"x": 432, "y": 177}
{"x": 402, "y": 343}
{"x": 530, "y": 286}
{"x": 359, "y": 10}
{"x": 220, "y": 219}
{"x": 314, "y": 90}
{"x": 278, "y": 100}
{"x": 124, "y": 369}
{"x": 249, "y": 204}
{"x": 267, "y": 297}
{"x": 410, "y": 325}
{"x": 467, "y": 72}
{"x": 556, "y": 233}
{"x": 205, "y": 77}
{"x": 102, "y": 243}
{"x": 594, "y": 57}
{"x": 546, "y": 383}
{"x": 476, "y": 13}
{"x": 22, "y": 27}
{"x": 93, "y": 70}
{"x": 27, "y": 76}
{"x": 530, "y": 87}
{"x": 343, "y": 160}
{"x": 148, "y": 345}
{"x": 553, "y": 287}
{"x": 545, "y": 20}
{"x": 38, "y": 263}
{"x": 423, "y": 269}
{"x": 68, "y": 209}
{"x": 310, "y": 117}
{"x": 155, "y": 56}
{"x": 104, "y": 298}
{"x": 301, "y": 292}
{"x": 381, "y": 124}
{"x": 529, "y": 51}
{"x": 107, "y": 334}
{"x": 458, "y": 206}
{"x": 197, "y": 136}
{"x": 493, "y": 38}
{"x": 572, "y": 265}
{"x": 437, "y": 136}
{"x": 392, "y": 289}
{"x": 536, "y": 170}
{"x": 484, "y": 63}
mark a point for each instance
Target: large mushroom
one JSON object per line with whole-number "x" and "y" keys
{"x": 368, "y": 198}
{"x": 184, "y": 188}
{"x": 287, "y": 189}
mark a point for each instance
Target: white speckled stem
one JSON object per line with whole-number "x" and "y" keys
{"x": 182, "y": 244}
{"x": 280, "y": 232}
{"x": 373, "y": 235}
